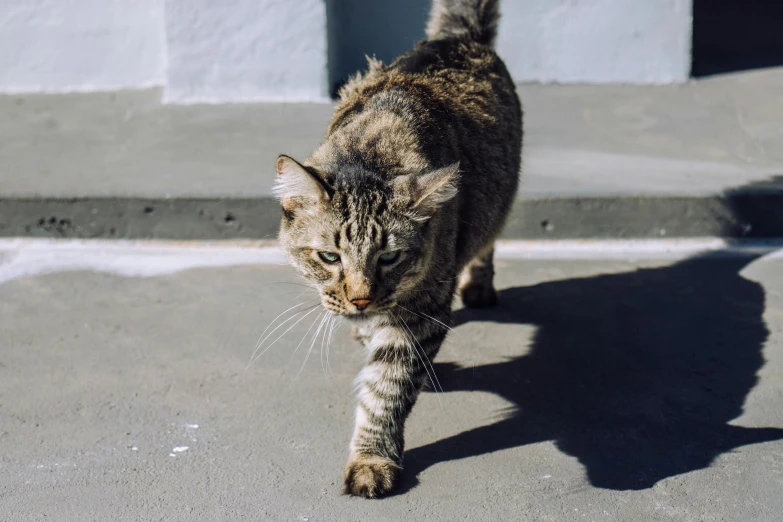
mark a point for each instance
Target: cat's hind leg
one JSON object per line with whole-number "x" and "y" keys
{"x": 475, "y": 283}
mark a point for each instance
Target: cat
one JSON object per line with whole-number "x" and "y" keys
{"x": 399, "y": 208}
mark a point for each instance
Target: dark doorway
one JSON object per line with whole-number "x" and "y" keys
{"x": 381, "y": 28}
{"x": 736, "y": 35}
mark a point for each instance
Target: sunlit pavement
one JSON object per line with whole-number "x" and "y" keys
{"x": 619, "y": 381}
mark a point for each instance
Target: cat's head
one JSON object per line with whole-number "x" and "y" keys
{"x": 362, "y": 241}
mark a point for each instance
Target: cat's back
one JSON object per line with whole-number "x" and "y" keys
{"x": 448, "y": 78}
{"x": 448, "y": 57}
{"x": 427, "y": 109}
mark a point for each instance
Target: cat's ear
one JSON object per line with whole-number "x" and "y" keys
{"x": 297, "y": 187}
{"x": 425, "y": 193}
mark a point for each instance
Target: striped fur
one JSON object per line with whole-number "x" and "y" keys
{"x": 409, "y": 189}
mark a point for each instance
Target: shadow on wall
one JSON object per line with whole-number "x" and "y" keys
{"x": 381, "y": 28}
{"x": 635, "y": 374}
{"x": 736, "y": 35}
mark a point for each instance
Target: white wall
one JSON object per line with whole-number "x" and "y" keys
{"x": 76, "y": 45}
{"x": 273, "y": 50}
{"x": 596, "y": 41}
{"x": 246, "y": 50}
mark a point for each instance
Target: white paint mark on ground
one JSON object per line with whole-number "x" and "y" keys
{"x": 26, "y": 257}
{"x": 192, "y": 426}
{"x": 29, "y": 257}
{"x": 654, "y": 249}
{"x": 180, "y": 449}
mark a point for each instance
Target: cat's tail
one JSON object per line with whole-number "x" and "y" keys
{"x": 476, "y": 20}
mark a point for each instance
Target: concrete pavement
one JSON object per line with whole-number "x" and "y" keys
{"x": 600, "y": 389}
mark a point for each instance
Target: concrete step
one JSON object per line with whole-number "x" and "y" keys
{"x": 701, "y": 159}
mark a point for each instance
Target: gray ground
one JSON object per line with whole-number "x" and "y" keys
{"x": 599, "y": 390}
{"x": 581, "y": 140}
{"x": 602, "y": 161}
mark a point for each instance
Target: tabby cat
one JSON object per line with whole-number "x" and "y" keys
{"x": 399, "y": 207}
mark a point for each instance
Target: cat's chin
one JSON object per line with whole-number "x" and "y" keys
{"x": 364, "y": 316}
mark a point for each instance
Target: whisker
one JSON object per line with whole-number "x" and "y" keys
{"x": 293, "y": 292}
{"x": 307, "y": 332}
{"x": 292, "y": 283}
{"x": 303, "y": 293}
{"x": 432, "y": 319}
{"x": 335, "y": 323}
{"x": 312, "y": 344}
{"x": 260, "y": 342}
{"x": 308, "y": 287}
{"x": 312, "y": 309}
{"x": 412, "y": 349}
{"x": 424, "y": 353}
{"x": 323, "y": 341}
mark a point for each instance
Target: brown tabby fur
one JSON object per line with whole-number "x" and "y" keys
{"x": 420, "y": 164}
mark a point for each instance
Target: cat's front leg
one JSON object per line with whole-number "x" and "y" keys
{"x": 399, "y": 364}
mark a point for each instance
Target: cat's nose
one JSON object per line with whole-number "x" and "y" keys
{"x": 361, "y": 304}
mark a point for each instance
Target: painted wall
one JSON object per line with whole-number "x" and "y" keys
{"x": 298, "y": 50}
{"x": 80, "y": 45}
{"x": 246, "y": 50}
{"x": 596, "y": 41}
{"x": 593, "y": 41}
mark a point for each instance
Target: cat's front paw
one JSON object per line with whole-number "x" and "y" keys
{"x": 478, "y": 296}
{"x": 370, "y": 476}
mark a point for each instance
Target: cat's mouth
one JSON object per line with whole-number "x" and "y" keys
{"x": 352, "y": 312}
{"x": 361, "y": 314}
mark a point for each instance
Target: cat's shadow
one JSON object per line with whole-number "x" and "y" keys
{"x": 635, "y": 374}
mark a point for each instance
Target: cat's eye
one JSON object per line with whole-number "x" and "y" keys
{"x": 389, "y": 257}
{"x": 329, "y": 257}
